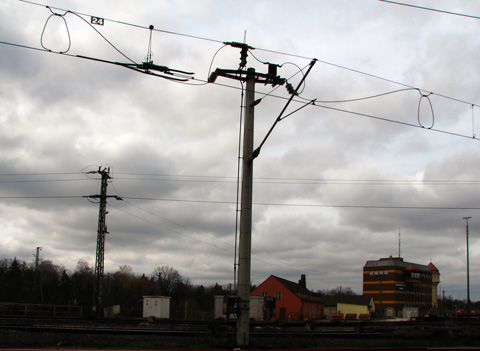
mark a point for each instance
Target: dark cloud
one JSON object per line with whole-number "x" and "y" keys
{"x": 173, "y": 148}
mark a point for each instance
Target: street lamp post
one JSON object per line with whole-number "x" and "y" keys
{"x": 468, "y": 270}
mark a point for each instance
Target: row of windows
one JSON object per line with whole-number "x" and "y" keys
{"x": 424, "y": 286}
{"x": 415, "y": 275}
{"x": 421, "y": 294}
{"x": 278, "y": 295}
{"x": 416, "y": 304}
{"x": 378, "y": 272}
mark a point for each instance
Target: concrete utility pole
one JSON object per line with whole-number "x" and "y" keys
{"x": 468, "y": 270}
{"x": 244, "y": 254}
{"x": 245, "y": 240}
{"x": 101, "y": 231}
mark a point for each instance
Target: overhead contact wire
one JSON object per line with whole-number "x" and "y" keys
{"x": 262, "y": 49}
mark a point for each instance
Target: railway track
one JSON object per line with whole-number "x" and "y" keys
{"x": 136, "y": 333}
{"x": 180, "y": 332}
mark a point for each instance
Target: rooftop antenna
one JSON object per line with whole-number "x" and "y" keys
{"x": 399, "y": 243}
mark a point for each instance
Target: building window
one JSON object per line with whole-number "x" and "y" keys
{"x": 278, "y": 295}
{"x": 264, "y": 294}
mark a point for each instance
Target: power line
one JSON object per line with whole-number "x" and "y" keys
{"x": 266, "y": 50}
{"x": 257, "y": 257}
{"x": 307, "y": 205}
{"x": 43, "y": 197}
{"x": 146, "y": 70}
{"x": 261, "y": 203}
{"x": 169, "y": 229}
{"x": 127, "y": 23}
{"x": 375, "y": 207}
{"x": 158, "y": 177}
{"x": 219, "y": 178}
{"x": 43, "y": 181}
{"x": 384, "y": 119}
{"x": 322, "y": 106}
{"x": 430, "y": 9}
{"x": 313, "y": 104}
{"x": 365, "y": 97}
{"x": 40, "y": 174}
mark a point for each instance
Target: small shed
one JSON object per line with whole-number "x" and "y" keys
{"x": 350, "y": 306}
{"x": 156, "y": 306}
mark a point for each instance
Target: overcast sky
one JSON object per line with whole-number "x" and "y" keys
{"x": 335, "y": 183}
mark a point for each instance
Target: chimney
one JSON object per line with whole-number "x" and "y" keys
{"x": 303, "y": 282}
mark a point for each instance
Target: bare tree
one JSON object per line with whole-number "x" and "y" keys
{"x": 168, "y": 279}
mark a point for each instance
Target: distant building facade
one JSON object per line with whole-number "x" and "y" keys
{"x": 395, "y": 284}
{"x": 293, "y": 301}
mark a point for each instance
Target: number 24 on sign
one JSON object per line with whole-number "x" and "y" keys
{"x": 97, "y": 20}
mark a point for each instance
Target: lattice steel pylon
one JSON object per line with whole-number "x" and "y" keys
{"x": 101, "y": 232}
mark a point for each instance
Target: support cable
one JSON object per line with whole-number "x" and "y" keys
{"x": 91, "y": 26}
{"x": 256, "y": 152}
{"x": 148, "y": 58}
{"x": 237, "y": 202}
{"x": 473, "y": 121}
{"x": 426, "y": 96}
{"x": 258, "y": 49}
{"x": 316, "y": 104}
{"x": 66, "y": 26}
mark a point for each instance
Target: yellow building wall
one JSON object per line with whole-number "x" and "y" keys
{"x": 329, "y": 310}
{"x": 348, "y": 308}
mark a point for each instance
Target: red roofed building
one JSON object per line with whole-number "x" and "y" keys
{"x": 293, "y": 301}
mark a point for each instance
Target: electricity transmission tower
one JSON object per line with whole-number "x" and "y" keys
{"x": 101, "y": 232}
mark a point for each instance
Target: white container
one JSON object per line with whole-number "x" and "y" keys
{"x": 156, "y": 306}
{"x": 256, "y": 308}
{"x": 410, "y": 312}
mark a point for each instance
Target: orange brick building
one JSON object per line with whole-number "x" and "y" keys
{"x": 395, "y": 284}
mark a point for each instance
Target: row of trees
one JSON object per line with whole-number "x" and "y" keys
{"x": 52, "y": 284}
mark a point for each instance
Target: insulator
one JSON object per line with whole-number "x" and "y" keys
{"x": 290, "y": 89}
{"x": 243, "y": 57}
{"x": 272, "y": 69}
{"x": 213, "y": 77}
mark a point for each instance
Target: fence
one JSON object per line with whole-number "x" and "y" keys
{"x": 33, "y": 310}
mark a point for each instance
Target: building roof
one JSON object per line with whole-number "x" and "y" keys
{"x": 433, "y": 268}
{"x": 396, "y": 261}
{"x": 293, "y": 287}
{"x": 361, "y": 300}
{"x": 296, "y": 288}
